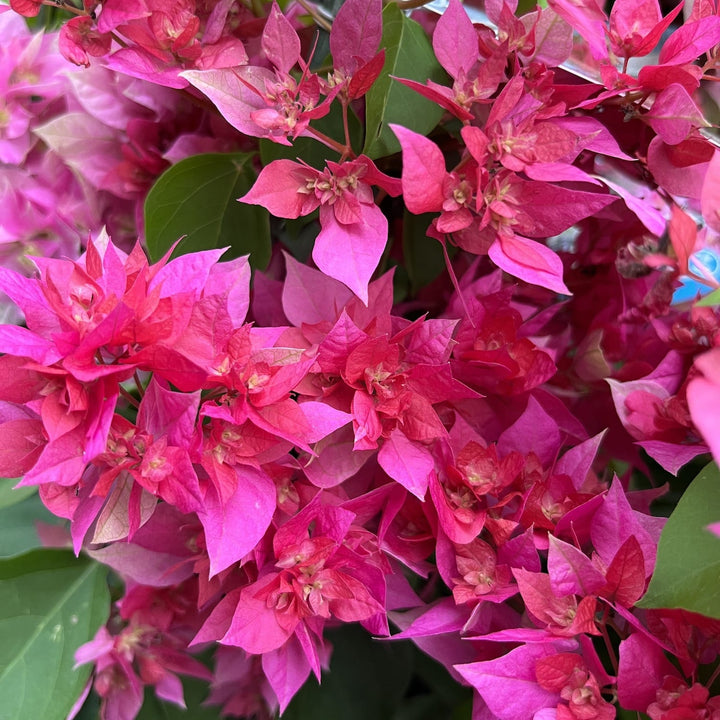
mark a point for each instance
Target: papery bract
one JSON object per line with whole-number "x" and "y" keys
{"x": 353, "y": 227}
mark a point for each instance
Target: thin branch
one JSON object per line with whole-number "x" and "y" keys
{"x": 129, "y": 397}
{"x": 313, "y": 12}
{"x": 342, "y": 150}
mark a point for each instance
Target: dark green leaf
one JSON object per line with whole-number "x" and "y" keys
{"x": 90, "y": 709}
{"x": 298, "y": 236}
{"x": 367, "y": 679}
{"x": 630, "y": 715}
{"x": 17, "y": 526}
{"x": 408, "y": 54}
{"x": 197, "y": 198}
{"x": 50, "y": 603}
{"x": 423, "y": 255}
{"x": 49, "y": 18}
{"x": 687, "y": 573}
{"x": 9, "y": 496}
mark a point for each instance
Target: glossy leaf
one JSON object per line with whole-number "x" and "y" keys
{"x": 50, "y": 603}
{"x": 688, "y": 559}
{"x": 423, "y": 255}
{"x": 408, "y": 54}
{"x": 18, "y": 532}
{"x": 10, "y": 496}
{"x": 197, "y": 198}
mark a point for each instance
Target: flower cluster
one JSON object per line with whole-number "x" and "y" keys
{"x": 261, "y": 456}
{"x": 80, "y": 150}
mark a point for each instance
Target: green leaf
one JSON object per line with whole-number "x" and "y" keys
{"x": 9, "y": 496}
{"x": 17, "y": 526}
{"x": 298, "y": 236}
{"x": 710, "y": 300}
{"x": 409, "y": 55}
{"x": 423, "y": 255}
{"x": 90, "y": 709}
{"x": 197, "y": 198}
{"x": 687, "y": 572}
{"x": 49, "y": 18}
{"x": 50, "y": 603}
{"x": 367, "y": 679}
{"x": 630, "y": 715}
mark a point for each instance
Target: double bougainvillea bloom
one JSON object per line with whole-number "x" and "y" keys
{"x": 542, "y": 680}
{"x": 268, "y": 103}
{"x": 139, "y": 655}
{"x": 490, "y": 215}
{"x": 261, "y": 462}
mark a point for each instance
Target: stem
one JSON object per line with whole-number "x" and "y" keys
{"x": 334, "y": 144}
{"x": 626, "y": 99}
{"x": 456, "y": 284}
{"x": 119, "y": 40}
{"x": 410, "y": 4}
{"x": 215, "y": 394}
{"x": 323, "y": 69}
{"x": 606, "y": 638}
{"x": 318, "y": 19}
{"x": 713, "y": 677}
{"x": 129, "y": 397}
{"x": 346, "y": 129}
{"x": 62, "y": 6}
{"x": 139, "y": 384}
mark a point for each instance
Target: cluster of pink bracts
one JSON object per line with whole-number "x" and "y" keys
{"x": 258, "y": 464}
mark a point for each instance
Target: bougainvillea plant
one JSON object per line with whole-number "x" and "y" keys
{"x": 371, "y": 344}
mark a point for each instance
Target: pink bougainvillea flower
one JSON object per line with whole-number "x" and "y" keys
{"x": 79, "y": 39}
{"x": 679, "y": 699}
{"x": 632, "y": 30}
{"x": 636, "y": 29}
{"x": 268, "y": 103}
{"x": 579, "y": 689}
{"x": 491, "y": 215}
{"x": 354, "y": 40}
{"x": 560, "y": 616}
{"x": 27, "y": 8}
{"x": 353, "y": 228}
{"x": 319, "y": 573}
{"x": 510, "y": 686}
{"x": 428, "y": 187}
{"x": 475, "y": 78}
{"x": 137, "y": 656}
